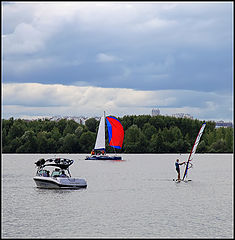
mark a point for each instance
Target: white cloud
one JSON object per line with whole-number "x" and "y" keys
{"x": 154, "y": 24}
{"x": 34, "y": 25}
{"x": 24, "y": 39}
{"x": 102, "y": 57}
{"x": 39, "y": 99}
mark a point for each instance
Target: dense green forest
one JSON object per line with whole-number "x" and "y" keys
{"x": 143, "y": 134}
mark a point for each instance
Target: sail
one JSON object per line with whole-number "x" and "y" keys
{"x": 115, "y": 132}
{"x": 194, "y": 149}
{"x": 100, "y": 139}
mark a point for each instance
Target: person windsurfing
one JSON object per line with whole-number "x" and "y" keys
{"x": 177, "y": 166}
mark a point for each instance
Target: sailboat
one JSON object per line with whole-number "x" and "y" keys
{"x": 188, "y": 164}
{"x": 116, "y": 136}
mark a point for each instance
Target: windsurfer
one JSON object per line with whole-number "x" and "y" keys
{"x": 177, "y": 166}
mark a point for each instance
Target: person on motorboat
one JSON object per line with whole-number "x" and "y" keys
{"x": 177, "y": 166}
{"x": 44, "y": 173}
{"x": 47, "y": 173}
{"x": 56, "y": 172}
{"x": 63, "y": 174}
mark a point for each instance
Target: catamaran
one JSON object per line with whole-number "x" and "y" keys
{"x": 116, "y": 136}
{"x": 188, "y": 164}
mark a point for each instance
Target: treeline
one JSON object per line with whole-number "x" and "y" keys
{"x": 143, "y": 134}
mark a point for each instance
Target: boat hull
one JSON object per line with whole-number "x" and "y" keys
{"x": 103, "y": 157}
{"x": 59, "y": 182}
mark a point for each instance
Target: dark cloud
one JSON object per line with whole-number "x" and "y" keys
{"x": 152, "y": 46}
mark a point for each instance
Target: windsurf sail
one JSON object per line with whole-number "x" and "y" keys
{"x": 194, "y": 149}
{"x": 115, "y": 132}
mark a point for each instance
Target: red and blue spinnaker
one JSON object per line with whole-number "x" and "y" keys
{"x": 115, "y": 132}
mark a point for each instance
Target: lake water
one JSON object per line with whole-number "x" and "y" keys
{"x": 135, "y": 198}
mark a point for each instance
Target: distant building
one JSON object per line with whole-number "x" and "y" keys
{"x": 155, "y": 112}
{"x": 223, "y": 124}
{"x": 182, "y": 115}
{"x": 80, "y": 120}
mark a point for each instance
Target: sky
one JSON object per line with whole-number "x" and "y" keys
{"x": 124, "y": 58}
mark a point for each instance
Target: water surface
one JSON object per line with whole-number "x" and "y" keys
{"x": 135, "y": 198}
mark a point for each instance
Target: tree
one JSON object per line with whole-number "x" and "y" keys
{"x": 149, "y": 130}
{"x": 201, "y": 147}
{"x": 229, "y": 139}
{"x": 42, "y": 142}
{"x": 141, "y": 120}
{"x": 27, "y": 143}
{"x": 176, "y": 140}
{"x": 71, "y": 144}
{"x": 71, "y": 126}
{"x": 61, "y": 124}
{"x": 17, "y": 130}
{"x": 91, "y": 124}
{"x": 156, "y": 143}
{"x": 210, "y": 138}
{"x": 55, "y": 133}
{"x": 127, "y": 121}
{"x": 158, "y": 134}
{"x": 219, "y": 146}
{"x": 4, "y": 137}
{"x": 87, "y": 141}
{"x": 220, "y": 133}
{"x": 79, "y": 130}
{"x": 47, "y": 125}
{"x": 6, "y": 124}
{"x": 157, "y": 122}
{"x": 135, "y": 141}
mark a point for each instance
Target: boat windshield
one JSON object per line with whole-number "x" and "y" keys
{"x": 58, "y": 173}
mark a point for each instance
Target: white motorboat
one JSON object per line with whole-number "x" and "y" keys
{"x": 59, "y": 177}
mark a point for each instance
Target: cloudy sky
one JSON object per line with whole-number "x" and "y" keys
{"x": 125, "y": 58}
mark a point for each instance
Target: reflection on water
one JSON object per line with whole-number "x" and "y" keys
{"x": 134, "y": 198}
{"x": 56, "y": 191}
